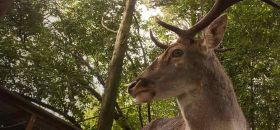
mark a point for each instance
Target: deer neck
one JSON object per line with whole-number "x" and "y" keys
{"x": 213, "y": 105}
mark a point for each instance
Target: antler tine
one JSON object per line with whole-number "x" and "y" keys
{"x": 219, "y": 7}
{"x": 158, "y": 43}
{"x": 175, "y": 29}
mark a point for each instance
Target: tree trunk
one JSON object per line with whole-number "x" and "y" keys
{"x": 115, "y": 68}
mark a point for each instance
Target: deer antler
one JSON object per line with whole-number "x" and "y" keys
{"x": 158, "y": 43}
{"x": 175, "y": 29}
{"x": 219, "y": 7}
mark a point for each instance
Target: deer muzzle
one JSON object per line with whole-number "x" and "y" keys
{"x": 141, "y": 88}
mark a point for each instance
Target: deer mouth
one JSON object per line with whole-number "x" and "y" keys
{"x": 141, "y": 92}
{"x": 143, "y": 95}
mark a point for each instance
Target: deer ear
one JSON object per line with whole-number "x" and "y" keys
{"x": 214, "y": 34}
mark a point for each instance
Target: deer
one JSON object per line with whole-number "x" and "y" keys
{"x": 190, "y": 71}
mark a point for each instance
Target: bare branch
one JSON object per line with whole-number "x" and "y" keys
{"x": 140, "y": 41}
{"x": 78, "y": 56}
{"x": 107, "y": 28}
{"x": 223, "y": 50}
{"x": 118, "y": 116}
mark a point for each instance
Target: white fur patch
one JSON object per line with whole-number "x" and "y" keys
{"x": 143, "y": 97}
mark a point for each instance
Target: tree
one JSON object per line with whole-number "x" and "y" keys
{"x": 115, "y": 68}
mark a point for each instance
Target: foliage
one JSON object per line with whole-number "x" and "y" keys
{"x": 58, "y": 52}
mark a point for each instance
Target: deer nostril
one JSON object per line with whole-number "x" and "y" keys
{"x": 131, "y": 85}
{"x": 143, "y": 81}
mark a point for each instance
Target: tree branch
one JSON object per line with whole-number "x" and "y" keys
{"x": 223, "y": 50}
{"x": 118, "y": 116}
{"x": 79, "y": 57}
{"x": 107, "y": 28}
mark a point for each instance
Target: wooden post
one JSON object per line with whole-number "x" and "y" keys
{"x": 31, "y": 122}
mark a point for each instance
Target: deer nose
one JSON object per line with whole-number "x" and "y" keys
{"x": 131, "y": 86}
{"x": 142, "y": 81}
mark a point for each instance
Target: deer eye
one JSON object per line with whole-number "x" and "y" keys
{"x": 177, "y": 53}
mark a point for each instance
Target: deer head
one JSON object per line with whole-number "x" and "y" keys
{"x": 180, "y": 67}
{"x": 183, "y": 64}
